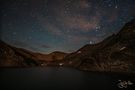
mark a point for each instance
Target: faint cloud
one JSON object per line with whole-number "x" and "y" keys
{"x": 45, "y": 46}
{"x": 84, "y": 4}
{"x": 81, "y": 23}
{"x": 113, "y": 16}
{"x": 27, "y": 46}
{"x": 50, "y": 27}
{"x": 21, "y": 44}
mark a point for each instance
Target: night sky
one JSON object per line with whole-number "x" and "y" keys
{"x": 62, "y": 25}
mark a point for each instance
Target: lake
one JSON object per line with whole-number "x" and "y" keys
{"x": 59, "y": 78}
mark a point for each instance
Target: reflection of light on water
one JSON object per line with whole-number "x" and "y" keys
{"x": 43, "y": 64}
{"x": 60, "y": 64}
{"x": 124, "y": 84}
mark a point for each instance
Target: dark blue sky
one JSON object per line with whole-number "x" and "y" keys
{"x": 62, "y": 25}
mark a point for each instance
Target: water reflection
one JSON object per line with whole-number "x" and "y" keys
{"x": 56, "y": 78}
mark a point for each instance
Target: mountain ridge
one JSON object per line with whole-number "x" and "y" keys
{"x": 19, "y": 57}
{"x": 114, "y": 54}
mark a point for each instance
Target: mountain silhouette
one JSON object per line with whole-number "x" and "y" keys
{"x": 17, "y": 57}
{"x": 115, "y": 54}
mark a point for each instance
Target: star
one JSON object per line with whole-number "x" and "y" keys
{"x": 69, "y": 1}
{"x": 116, "y": 6}
{"x": 14, "y": 33}
{"x": 98, "y": 28}
{"x": 109, "y": 5}
{"x": 73, "y": 22}
{"x": 66, "y": 12}
{"x": 91, "y": 42}
{"x": 29, "y": 37}
{"x": 4, "y": 14}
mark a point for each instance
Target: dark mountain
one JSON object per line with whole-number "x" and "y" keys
{"x": 115, "y": 54}
{"x": 54, "y": 56}
{"x": 17, "y": 57}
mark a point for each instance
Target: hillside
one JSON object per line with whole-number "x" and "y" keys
{"x": 115, "y": 54}
{"x": 17, "y": 57}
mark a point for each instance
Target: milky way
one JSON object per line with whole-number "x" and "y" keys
{"x": 62, "y": 25}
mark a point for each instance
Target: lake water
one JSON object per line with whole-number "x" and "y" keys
{"x": 55, "y": 78}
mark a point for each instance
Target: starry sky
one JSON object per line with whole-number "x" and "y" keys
{"x": 62, "y": 25}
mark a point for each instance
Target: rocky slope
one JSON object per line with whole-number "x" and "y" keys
{"x": 115, "y": 54}
{"x": 54, "y": 56}
{"x": 17, "y": 57}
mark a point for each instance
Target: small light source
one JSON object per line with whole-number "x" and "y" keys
{"x": 79, "y": 52}
{"x": 91, "y": 42}
{"x": 60, "y": 64}
{"x": 116, "y": 6}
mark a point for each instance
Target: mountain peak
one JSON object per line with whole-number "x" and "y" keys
{"x": 57, "y": 52}
{"x": 128, "y": 27}
{"x": 114, "y": 54}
